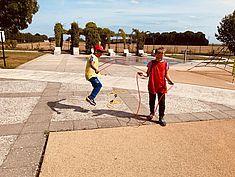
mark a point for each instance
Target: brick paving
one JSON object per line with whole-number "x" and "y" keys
{"x": 62, "y": 107}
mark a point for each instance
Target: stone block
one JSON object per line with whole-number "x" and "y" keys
{"x": 57, "y": 51}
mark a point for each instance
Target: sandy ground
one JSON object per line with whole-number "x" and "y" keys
{"x": 187, "y": 149}
{"x": 216, "y": 78}
{"x": 203, "y": 76}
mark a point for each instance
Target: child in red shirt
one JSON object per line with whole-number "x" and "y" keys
{"x": 158, "y": 74}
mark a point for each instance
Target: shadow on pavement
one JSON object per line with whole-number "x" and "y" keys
{"x": 98, "y": 112}
{"x": 122, "y": 114}
{"x": 57, "y": 104}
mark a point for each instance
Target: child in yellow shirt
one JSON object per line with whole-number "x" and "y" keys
{"x": 91, "y": 73}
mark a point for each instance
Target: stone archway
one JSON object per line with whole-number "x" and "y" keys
{"x": 71, "y": 44}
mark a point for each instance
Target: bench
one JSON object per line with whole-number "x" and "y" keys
{"x": 111, "y": 52}
{"x": 126, "y": 52}
{"x": 142, "y": 54}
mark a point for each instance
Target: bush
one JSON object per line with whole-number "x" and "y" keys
{"x": 58, "y": 30}
{"x": 11, "y": 44}
{"x": 74, "y": 34}
{"x": 92, "y": 35}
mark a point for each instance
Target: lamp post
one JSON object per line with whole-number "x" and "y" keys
{"x": 3, "y": 53}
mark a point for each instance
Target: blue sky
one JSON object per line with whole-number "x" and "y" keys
{"x": 146, "y": 15}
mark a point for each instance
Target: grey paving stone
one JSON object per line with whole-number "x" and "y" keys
{"x": 203, "y": 116}
{"x": 108, "y": 123}
{"x": 102, "y": 93}
{"x": 41, "y": 109}
{"x": 35, "y": 127}
{"x": 231, "y": 113}
{"x": 39, "y": 118}
{"x": 50, "y": 94}
{"x": 143, "y": 110}
{"x": 5, "y": 145}
{"x": 172, "y": 118}
{"x": 65, "y": 94}
{"x": 132, "y": 91}
{"x": 80, "y": 93}
{"x": 130, "y": 101}
{"x": 61, "y": 126}
{"x": 17, "y": 172}
{"x": 5, "y": 79}
{"x": 10, "y": 95}
{"x": 145, "y": 122}
{"x": 128, "y": 122}
{"x": 11, "y": 129}
{"x": 23, "y": 157}
{"x": 44, "y": 100}
{"x": 51, "y": 91}
{"x": 219, "y": 114}
{"x": 142, "y": 119}
{"x": 85, "y": 124}
{"x": 123, "y": 91}
{"x": 53, "y": 85}
{"x": 30, "y": 140}
{"x": 187, "y": 117}
{"x": 220, "y": 107}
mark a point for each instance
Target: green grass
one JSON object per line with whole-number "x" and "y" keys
{"x": 232, "y": 57}
{"x": 15, "y": 59}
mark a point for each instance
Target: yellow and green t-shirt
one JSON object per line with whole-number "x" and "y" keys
{"x": 89, "y": 72}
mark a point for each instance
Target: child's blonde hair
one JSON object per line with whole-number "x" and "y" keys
{"x": 160, "y": 50}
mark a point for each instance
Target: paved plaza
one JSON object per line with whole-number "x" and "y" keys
{"x": 48, "y": 95}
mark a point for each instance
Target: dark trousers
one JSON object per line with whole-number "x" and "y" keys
{"x": 96, "y": 86}
{"x": 152, "y": 99}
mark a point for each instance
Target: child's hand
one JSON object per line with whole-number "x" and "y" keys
{"x": 170, "y": 82}
{"x": 140, "y": 73}
{"x": 97, "y": 71}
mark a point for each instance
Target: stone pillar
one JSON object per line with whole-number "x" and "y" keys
{"x": 57, "y": 51}
{"x": 75, "y": 51}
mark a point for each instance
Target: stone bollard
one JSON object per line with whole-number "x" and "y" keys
{"x": 57, "y": 51}
{"x": 75, "y": 51}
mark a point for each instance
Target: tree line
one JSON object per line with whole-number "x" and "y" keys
{"x": 174, "y": 38}
{"x": 26, "y": 37}
{"x": 94, "y": 34}
{"x": 17, "y": 15}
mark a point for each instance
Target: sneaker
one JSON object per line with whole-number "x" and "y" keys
{"x": 150, "y": 117}
{"x": 91, "y": 101}
{"x": 162, "y": 121}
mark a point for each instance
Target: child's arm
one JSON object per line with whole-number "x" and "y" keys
{"x": 93, "y": 67}
{"x": 142, "y": 74}
{"x": 168, "y": 78}
{"x": 148, "y": 71}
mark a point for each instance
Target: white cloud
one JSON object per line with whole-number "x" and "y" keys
{"x": 193, "y": 17}
{"x": 231, "y": 2}
{"x": 135, "y": 2}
